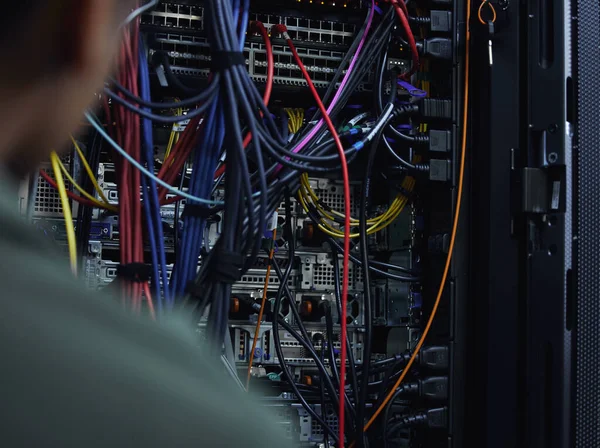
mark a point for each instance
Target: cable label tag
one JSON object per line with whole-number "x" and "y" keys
{"x": 357, "y": 119}
{"x": 162, "y": 79}
{"x": 180, "y": 127}
{"x": 272, "y": 222}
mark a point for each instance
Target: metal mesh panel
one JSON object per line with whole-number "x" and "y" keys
{"x": 587, "y": 412}
{"x": 47, "y": 202}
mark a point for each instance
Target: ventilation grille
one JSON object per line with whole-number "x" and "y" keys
{"x": 47, "y": 201}
{"x": 323, "y": 276}
{"x": 333, "y": 196}
{"x": 317, "y": 429}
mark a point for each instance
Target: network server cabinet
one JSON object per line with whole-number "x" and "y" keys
{"x": 516, "y": 328}
{"x": 534, "y": 258}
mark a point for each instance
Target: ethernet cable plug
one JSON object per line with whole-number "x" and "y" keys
{"x": 438, "y": 47}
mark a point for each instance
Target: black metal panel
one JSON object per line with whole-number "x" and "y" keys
{"x": 587, "y": 364}
{"x": 493, "y": 371}
{"x": 546, "y": 150}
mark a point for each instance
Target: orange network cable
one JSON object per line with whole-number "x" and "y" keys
{"x": 262, "y": 308}
{"x": 452, "y": 237}
{"x": 480, "y": 11}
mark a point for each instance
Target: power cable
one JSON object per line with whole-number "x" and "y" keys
{"x": 457, "y": 210}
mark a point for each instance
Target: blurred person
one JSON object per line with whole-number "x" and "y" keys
{"x": 76, "y": 370}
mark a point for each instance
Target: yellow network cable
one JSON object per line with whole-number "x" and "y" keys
{"x": 328, "y": 212}
{"x": 296, "y": 119}
{"x": 89, "y": 171}
{"x": 306, "y": 196}
{"x": 88, "y": 196}
{"x": 174, "y": 137}
{"x": 64, "y": 199}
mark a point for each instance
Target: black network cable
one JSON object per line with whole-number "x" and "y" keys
{"x": 205, "y": 95}
{"x": 193, "y": 113}
{"x": 244, "y": 219}
{"x": 176, "y": 216}
{"x": 331, "y": 88}
{"x": 338, "y": 301}
{"x": 277, "y": 340}
{"x": 364, "y": 252}
{"x": 372, "y": 264}
{"x": 322, "y": 391}
{"x": 305, "y": 340}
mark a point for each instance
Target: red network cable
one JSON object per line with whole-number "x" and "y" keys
{"x": 127, "y": 129}
{"x": 174, "y": 163}
{"x": 82, "y": 201}
{"x": 402, "y": 13}
{"x": 282, "y": 29}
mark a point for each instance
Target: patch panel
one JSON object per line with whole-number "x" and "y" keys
{"x": 321, "y": 44}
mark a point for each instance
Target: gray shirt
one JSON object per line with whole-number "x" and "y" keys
{"x": 77, "y": 371}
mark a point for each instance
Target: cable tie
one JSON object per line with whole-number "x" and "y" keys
{"x": 196, "y": 211}
{"x": 135, "y": 272}
{"x": 227, "y": 266}
{"x": 412, "y": 90}
{"x": 224, "y": 60}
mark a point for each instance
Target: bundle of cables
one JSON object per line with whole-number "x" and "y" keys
{"x": 132, "y": 272}
{"x": 262, "y": 163}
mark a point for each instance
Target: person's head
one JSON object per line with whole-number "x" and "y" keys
{"x": 56, "y": 54}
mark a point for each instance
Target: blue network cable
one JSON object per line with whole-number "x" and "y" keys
{"x": 244, "y": 23}
{"x": 95, "y": 122}
{"x": 178, "y": 276}
{"x": 151, "y": 204}
{"x": 201, "y": 182}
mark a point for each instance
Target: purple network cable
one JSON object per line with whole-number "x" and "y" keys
{"x": 317, "y": 127}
